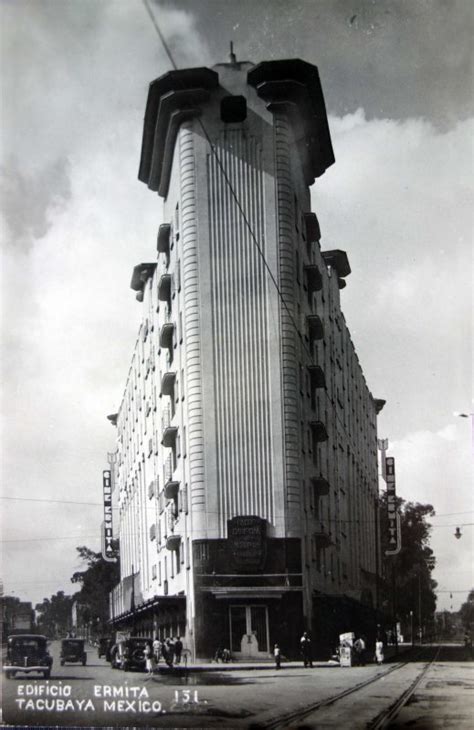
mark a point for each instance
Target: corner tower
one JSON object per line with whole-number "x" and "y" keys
{"x": 238, "y": 338}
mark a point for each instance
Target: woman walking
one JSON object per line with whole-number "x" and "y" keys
{"x": 148, "y": 659}
{"x": 379, "y": 651}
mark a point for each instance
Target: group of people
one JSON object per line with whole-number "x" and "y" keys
{"x": 358, "y": 651}
{"x": 170, "y": 650}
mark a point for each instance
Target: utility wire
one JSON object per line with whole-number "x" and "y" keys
{"x": 233, "y": 193}
{"x": 55, "y": 501}
{"x": 160, "y": 35}
{"x": 135, "y": 534}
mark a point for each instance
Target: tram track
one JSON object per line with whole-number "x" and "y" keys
{"x": 384, "y": 718}
{"x": 295, "y": 717}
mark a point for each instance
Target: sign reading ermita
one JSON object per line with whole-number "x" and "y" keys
{"x": 247, "y": 542}
{"x": 108, "y": 552}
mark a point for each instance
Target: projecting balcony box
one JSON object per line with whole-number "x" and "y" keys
{"x": 164, "y": 288}
{"x": 320, "y": 486}
{"x": 166, "y": 335}
{"x": 163, "y": 241}
{"x": 316, "y": 374}
{"x": 315, "y": 327}
{"x": 173, "y": 542}
{"x": 141, "y": 274}
{"x": 322, "y": 539}
{"x": 169, "y": 431}
{"x": 167, "y": 383}
{"x": 319, "y": 430}
{"x": 171, "y": 489}
{"x": 313, "y": 231}
{"x": 314, "y": 279}
{"x": 338, "y": 261}
{"x": 378, "y": 402}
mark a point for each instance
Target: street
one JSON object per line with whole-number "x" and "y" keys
{"x": 262, "y": 697}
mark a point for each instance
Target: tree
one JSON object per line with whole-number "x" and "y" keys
{"x": 97, "y": 580}
{"x": 408, "y": 585}
{"x": 55, "y": 614}
{"x": 467, "y": 612}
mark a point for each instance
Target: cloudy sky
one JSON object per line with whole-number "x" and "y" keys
{"x": 398, "y": 85}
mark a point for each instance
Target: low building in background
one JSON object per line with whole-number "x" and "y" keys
{"x": 246, "y": 465}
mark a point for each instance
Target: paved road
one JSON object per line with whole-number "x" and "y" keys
{"x": 98, "y": 695}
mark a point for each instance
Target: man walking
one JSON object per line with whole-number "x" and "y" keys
{"x": 305, "y": 645}
{"x": 178, "y": 648}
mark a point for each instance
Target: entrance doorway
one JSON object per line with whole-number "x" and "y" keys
{"x": 249, "y": 631}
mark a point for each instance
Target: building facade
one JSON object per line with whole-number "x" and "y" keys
{"x": 246, "y": 470}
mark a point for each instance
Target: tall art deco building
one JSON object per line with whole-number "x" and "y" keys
{"x": 246, "y": 467}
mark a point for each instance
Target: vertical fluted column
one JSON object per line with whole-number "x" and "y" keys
{"x": 289, "y": 337}
{"x": 192, "y": 327}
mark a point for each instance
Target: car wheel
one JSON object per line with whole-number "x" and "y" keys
{"x": 8, "y": 675}
{"x": 47, "y": 673}
{"x": 125, "y": 666}
{"x": 62, "y": 662}
{"x": 84, "y": 661}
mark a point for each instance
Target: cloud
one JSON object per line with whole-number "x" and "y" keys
{"x": 437, "y": 468}
{"x": 399, "y": 201}
{"x": 30, "y": 200}
{"x": 77, "y": 221}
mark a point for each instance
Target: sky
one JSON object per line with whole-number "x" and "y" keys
{"x": 397, "y": 78}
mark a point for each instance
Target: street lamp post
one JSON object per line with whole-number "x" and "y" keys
{"x": 411, "y": 630}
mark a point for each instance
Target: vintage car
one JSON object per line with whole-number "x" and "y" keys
{"x": 72, "y": 650}
{"x": 104, "y": 646}
{"x": 129, "y": 653}
{"x": 27, "y": 653}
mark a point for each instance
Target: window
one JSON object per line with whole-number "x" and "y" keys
{"x": 233, "y": 109}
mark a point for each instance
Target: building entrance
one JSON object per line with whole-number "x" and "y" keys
{"x": 249, "y": 632}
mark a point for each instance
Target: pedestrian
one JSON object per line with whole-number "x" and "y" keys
{"x": 218, "y": 655}
{"x": 305, "y": 646}
{"x": 157, "y": 649}
{"x": 277, "y": 655}
{"x": 359, "y": 651}
{"x": 379, "y": 657}
{"x": 167, "y": 652}
{"x": 226, "y": 656}
{"x": 148, "y": 651}
{"x": 178, "y": 648}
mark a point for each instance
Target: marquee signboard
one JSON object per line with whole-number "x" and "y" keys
{"x": 247, "y": 542}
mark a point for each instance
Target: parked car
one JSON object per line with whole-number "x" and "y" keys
{"x": 129, "y": 653}
{"x": 28, "y": 653}
{"x": 104, "y": 646}
{"x": 72, "y": 650}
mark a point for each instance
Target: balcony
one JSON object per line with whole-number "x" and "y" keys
{"x": 315, "y": 327}
{"x": 320, "y": 486}
{"x": 317, "y": 377}
{"x": 169, "y": 431}
{"x": 313, "y": 231}
{"x": 167, "y": 334}
{"x": 319, "y": 431}
{"x": 168, "y": 381}
{"x": 173, "y": 542}
{"x": 163, "y": 241}
{"x": 164, "y": 288}
{"x": 338, "y": 261}
{"x": 313, "y": 277}
{"x": 171, "y": 489}
{"x": 140, "y": 276}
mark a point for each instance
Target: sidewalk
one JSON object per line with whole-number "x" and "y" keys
{"x": 212, "y": 666}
